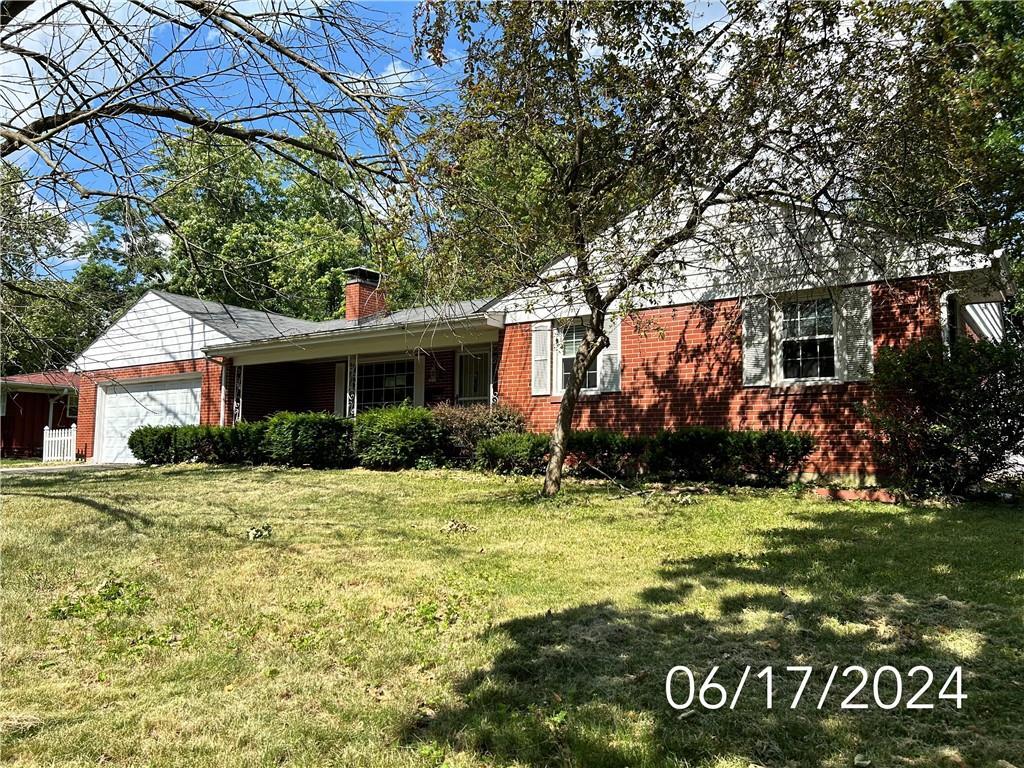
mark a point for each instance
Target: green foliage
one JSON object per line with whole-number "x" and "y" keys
{"x": 688, "y": 454}
{"x": 113, "y": 597}
{"x": 318, "y": 440}
{"x": 462, "y": 428}
{"x": 605, "y": 453}
{"x": 152, "y": 445}
{"x": 396, "y": 438}
{"x": 257, "y": 230}
{"x": 768, "y": 457}
{"x": 943, "y": 423}
{"x": 513, "y": 453}
{"x": 693, "y": 454}
{"x": 56, "y": 298}
{"x": 238, "y": 444}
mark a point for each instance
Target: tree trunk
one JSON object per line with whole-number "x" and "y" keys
{"x": 592, "y": 344}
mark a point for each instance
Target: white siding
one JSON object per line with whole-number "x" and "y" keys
{"x": 153, "y": 331}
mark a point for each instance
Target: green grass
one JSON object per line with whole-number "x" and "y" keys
{"x": 6, "y": 462}
{"x": 446, "y": 618}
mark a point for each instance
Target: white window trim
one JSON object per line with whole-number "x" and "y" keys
{"x": 775, "y": 340}
{"x": 481, "y": 352}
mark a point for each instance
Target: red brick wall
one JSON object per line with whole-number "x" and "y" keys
{"x": 210, "y": 394}
{"x": 362, "y": 300}
{"x": 683, "y": 366}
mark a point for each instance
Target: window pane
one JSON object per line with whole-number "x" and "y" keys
{"x": 572, "y": 337}
{"x": 388, "y": 382}
{"x": 827, "y": 358}
{"x": 473, "y": 377}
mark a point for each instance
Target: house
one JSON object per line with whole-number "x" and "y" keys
{"x": 31, "y": 401}
{"x": 776, "y": 353}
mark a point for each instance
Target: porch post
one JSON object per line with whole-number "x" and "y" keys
{"x": 492, "y": 373}
{"x": 236, "y": 408}
{"x": 353, "y": 373}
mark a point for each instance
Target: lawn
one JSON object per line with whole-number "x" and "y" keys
{"x": 11, "y": 463}
{"x": 448, "y": 618}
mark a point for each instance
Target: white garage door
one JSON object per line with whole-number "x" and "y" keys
{"x": 127, "y": 407}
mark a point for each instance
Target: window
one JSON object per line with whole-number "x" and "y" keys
{"x": 474, "y": 377}
{"x": 808, "y": 340}
{"x": 572, "y": 337}
{"x": 388, "y": 382}
{"x": 71, "y": 409}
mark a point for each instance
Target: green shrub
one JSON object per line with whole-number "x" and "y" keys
{"x": 239, "y": 444}
{"x": 942, "y": 422}
{"x": 693, "y": 454}
{"x": 318, "y": 440}
{"x": 604, "y": 453}
{"x": 513, "y": 453}
{"x": 396, "y": 438}
{"x": 243, "y": 443}
{"x": 152, "y": 445}
{"x": 462, "y": 427}
{"x": 770, "y": 456}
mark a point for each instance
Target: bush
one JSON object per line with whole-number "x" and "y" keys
{"x": 239, "y": 444}
{"x": 768, "y": 457}
{"x": 462, "y": 427}
{"x": 513, "y": 453}
{"x": 153, "y": 445}
{"x": 318, "y": 440}
{"x": 940, "y": 423}
{"x": 604, "y": 453}
{"x": 243, "y": 443}
{"x": 399, "y": 437}
{"x": 693, "y": 454}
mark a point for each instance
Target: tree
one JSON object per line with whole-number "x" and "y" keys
{"x": 598, "y": 146}
{"x": 56, "y": 296}
{"x": 263, "y": 232}
{"x": 93, "y": 91}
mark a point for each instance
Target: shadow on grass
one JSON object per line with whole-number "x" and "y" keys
{"x": 130, "y": 519}
{"x": 586, "y": 686}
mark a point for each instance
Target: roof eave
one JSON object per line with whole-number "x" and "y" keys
{"x": 477, "y": 319}
{"x": 53, "y": 389}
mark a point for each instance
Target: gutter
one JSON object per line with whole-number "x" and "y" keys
{"x": 51, "y": 389}
{"x": 315, "y": 338}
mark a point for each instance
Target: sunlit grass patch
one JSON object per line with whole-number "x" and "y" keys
{"x": 448, "y": 618}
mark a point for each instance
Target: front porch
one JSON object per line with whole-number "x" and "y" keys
{"x": 346, "y": 385}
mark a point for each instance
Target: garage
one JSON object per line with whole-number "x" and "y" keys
{"x": 124, "y": 407}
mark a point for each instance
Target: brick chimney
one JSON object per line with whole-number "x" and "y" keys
{"x": 364, "y": 295}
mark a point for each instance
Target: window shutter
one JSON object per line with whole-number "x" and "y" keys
{"x": 541, "y": 359}
{"x": 857, "y": 333}
{"x": 609, "y": 364}
{"x": 756, "y": 339}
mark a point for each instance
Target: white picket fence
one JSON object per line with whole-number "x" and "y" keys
{"x": 59, "y": 444}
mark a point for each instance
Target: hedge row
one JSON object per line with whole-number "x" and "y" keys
{"x": 491, "y": 438}
{"x": 688, "y": 454}
{"x": 386, "y": 438}
{"x": 317, "y": 440}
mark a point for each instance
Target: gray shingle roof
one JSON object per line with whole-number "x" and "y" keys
{"x": 238, "y": 323}
{"x": 241, "y": 325}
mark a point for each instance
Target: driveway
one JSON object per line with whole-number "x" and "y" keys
{"x": 48, "y": 469}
